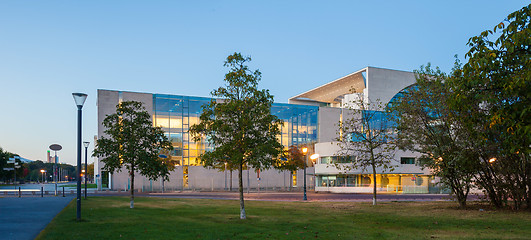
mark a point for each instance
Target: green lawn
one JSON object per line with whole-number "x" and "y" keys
{"x": 159, "y": 218}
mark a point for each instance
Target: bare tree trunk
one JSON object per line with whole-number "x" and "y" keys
{"x": 240, "y": 188}
{"x": 374, "y": 184}
{"x": 230, "y": 182}
{"x": 132, "y": 174}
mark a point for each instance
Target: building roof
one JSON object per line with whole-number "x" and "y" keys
{"x": 332, "y": 92}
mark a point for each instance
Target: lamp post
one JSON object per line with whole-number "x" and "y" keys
{"x": 43, "y": 171}
{"x": 79, "y": 99}
{"x": 305, "y": 151}
{"x": 314, "y": 158}
{"x": 55, "y": 148}
{"x": 86, "y": 144}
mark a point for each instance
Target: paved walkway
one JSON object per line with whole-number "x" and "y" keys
{"x": 293, "y": 196}
{"x": 24, "y": 218}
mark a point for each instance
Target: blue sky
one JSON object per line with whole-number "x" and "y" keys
{"x": 49, "y": 49}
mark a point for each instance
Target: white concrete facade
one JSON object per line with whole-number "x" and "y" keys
{"x": 370, "y": 83}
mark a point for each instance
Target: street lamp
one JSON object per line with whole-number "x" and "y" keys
{"x": 79, "y": 99}
{"x": 314, "y": 158}
{"x": 305, "y": 151}
{"x": 43, "y": 171}
{"x": 86, "y": 144}
{"x": 55, "y": 148}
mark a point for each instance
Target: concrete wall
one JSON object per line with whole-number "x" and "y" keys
{"x": 328, "y": 119}
{"x": 106, "y": 102}
{"x": 204, "y": 179}
{"x": 331, "y": 149}
{"x": 384, "y": 84}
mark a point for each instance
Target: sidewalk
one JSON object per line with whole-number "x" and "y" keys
{"x": 24, "y": 218}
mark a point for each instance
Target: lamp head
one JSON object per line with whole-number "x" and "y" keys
{"x": 79, "y": 98}
{"x": 304, "y": 150}
{"x": 86, "y": 144}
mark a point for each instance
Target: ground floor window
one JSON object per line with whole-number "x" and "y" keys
{"x": 391, "y": 182}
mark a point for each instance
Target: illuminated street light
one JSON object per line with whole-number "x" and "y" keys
{"x": 43, "y": 171}
{"x": 304, "y": 151}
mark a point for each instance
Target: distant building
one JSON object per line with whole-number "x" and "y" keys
{"x": 310, "y": 119}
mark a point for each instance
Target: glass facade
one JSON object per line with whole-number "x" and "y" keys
{"x": 404, "y": 183}
{"x": 175, "y": 114}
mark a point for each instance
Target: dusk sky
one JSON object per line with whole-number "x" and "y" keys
{"x": 50, "y": 49}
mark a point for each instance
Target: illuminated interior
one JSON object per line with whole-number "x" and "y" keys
{"x": 410, "y": 183}
{"x": 175, "y": 114}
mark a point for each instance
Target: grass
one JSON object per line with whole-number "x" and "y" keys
{"x": 159, "y": 218}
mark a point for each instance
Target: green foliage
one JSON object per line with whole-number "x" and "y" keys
{"x": 293, "y": 159}
{"x": 133, "y": 142}
{"x": 427, "y": 125}
{"x": 480, "y": 116}
{"x": 9, "y": 175}
{"x": 493, "y": 91}
{"x": 239, "y": 124}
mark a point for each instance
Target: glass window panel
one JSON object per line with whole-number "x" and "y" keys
{"x": 407, "y": 160}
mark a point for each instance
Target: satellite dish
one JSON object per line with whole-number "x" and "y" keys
{"x": 55, "y": 147}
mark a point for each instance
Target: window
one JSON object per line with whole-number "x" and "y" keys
{"x": 407, "y": 160}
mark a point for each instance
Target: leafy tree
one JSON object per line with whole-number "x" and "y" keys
{"x": 133, "y": 142}
{"x": 425, "y": 124}
{"x": 239, "y": 124}
{"x": 493, "y": 91}
{"x": 10, "y": 174}
{"x": 293, "y": 159}
{"x": 366, "y": 137}
{"x": 90, "y": 170}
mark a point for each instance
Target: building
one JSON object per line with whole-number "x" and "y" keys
{"x": 310, "y": 119}
{"x": 370, "y": 84}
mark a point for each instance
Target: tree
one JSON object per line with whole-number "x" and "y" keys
{"x": 493, "y": 91}
{"x": 133, "y": 142}
{"x": 7, "y": 174}
{"x": 425, "y": 124}
{"x": 90, "y": 172}
{"x": 239, "y": 124}
{"x": 366, "y": 138}
{"x": 292, "y": 161}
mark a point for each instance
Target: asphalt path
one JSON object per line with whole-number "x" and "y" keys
{"x": 295, "y": 196}
{"x": 24, "y": 218}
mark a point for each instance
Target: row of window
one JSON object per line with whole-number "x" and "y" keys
{"x": 348, "y": 159}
